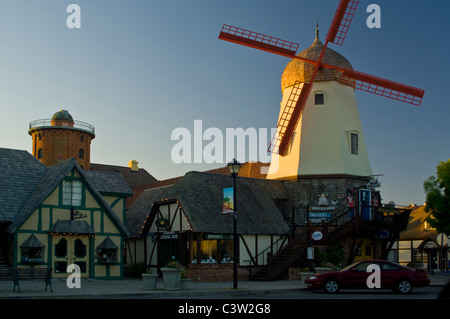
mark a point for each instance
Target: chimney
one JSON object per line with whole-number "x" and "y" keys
{"x": 133, "y": 165}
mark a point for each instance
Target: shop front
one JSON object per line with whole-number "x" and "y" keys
{"x": 185, "y": 223}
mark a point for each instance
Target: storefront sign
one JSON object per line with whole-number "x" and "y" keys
{"x": 169, "y": 235}
{"x": 322, "y": 208}
{"x": 217, "y": 236}
{"x": 317, "y": 217}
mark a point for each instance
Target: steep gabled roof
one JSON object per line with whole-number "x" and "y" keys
{"x": 133, "y": 178}
{"x": 45, "y": 186}
{"x": 19, "y": 174}
{"x": 25, "y": 183}
{"x": 248, "y": 169}
{"x": 109, "y": 183}
{"x": 201, "y": 196}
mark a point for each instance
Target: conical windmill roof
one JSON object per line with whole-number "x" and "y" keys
{"x": 297, "y": 70}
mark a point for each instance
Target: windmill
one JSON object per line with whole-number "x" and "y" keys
{"x": 295, "y": 104}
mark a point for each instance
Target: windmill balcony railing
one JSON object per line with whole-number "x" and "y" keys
{"x": 45, "y": 123}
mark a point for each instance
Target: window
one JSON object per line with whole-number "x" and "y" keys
{"x": 319, "y": 99}
{"x": 362, "y": 266}
{"x": 354, "y": 143}
{"x": 82, "y": 138}
{"x": 389, "y": 267}
{"x": 40, "y": 153}
{"x": 32, "y": 250}
{"x": 81, "y": 153}
{"x": 32, "y": 255}
{"x": 107, "y": 251}
{"x": 80, "y": 248}
{"x": 72, "y": 193}
{"x": 218, "y": 250}
{"x": 61, "y": 248}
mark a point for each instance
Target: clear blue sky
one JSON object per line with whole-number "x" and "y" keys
{"x": 137, "y": 70}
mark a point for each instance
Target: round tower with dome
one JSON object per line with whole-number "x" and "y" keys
{"x": 61, "y": 138}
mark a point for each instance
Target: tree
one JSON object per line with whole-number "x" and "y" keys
{"x": 437, "y": 190}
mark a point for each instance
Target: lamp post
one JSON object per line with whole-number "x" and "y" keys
{"x": 234, "y": 167}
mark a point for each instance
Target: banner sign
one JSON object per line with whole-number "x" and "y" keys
{"x": 228, "y": 204}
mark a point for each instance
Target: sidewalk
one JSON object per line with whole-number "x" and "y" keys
{"x": 131, "y": 288}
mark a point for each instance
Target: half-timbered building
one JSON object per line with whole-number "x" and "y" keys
{"x": 184, "y": 222}
{"x": 52, "y": 217}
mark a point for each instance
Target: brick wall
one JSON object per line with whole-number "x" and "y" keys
{"x": 215, "y": 272}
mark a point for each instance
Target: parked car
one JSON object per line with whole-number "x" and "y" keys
{"x": 393, "y": 276}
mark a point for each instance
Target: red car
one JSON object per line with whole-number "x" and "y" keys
{"x": 356, "y": 276}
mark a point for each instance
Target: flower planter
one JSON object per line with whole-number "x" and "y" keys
{"x": 171, "y": 278}
{"x": 149, "y": 281}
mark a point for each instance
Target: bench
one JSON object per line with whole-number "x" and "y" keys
{"x": 18, "y": 274}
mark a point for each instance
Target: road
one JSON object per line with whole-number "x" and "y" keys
{"x": 419, "y": 293}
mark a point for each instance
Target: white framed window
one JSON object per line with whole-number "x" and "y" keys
{"x": 72, "y": 192}
{"x": 354, "y": 143}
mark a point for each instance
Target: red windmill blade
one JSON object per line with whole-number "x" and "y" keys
{"x": 290, "y": 117}
{"x": 341, "y": 21}
{"x": 380, "y": 86}
{"x": 293, "y": 109}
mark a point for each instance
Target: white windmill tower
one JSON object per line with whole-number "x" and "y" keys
{"x": 328, "y": 139}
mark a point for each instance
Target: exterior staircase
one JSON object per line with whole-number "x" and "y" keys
{"x": 333, "y": 229}
{"x": 282, "y": 260}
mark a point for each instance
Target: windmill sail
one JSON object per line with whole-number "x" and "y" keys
{"x": 341, "y": 21}
{"x": 289, "y": 118}
{"x": 258, "y": 41}
{"x": 383, "y": 87}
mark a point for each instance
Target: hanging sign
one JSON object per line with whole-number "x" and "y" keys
{"x": 228, "y": 204}
{"x": 162, "y": 223}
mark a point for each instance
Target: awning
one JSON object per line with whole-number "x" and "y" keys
{"x": 32, "y": 242}
{"x": 107, "y": 244}
{"x": 72, "y": 228}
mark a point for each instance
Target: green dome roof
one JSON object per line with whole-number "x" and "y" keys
{"x": 62, "y": 115}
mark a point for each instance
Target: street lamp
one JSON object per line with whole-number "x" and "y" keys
{"x": 234, "y": 167}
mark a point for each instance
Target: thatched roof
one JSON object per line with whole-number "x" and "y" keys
{"x": 201, "y": 195}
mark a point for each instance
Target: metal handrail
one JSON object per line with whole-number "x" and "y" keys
{"x": 43, "y": 123}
